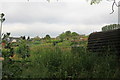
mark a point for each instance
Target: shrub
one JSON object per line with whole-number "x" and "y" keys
{"x": 52, "y": 62}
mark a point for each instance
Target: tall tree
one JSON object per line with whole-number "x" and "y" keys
{"x": 115, "y": 3}
{"x": 37, "y": 38}
{"x": 28, "y": 38}
{"x": 75, "y": 34}
{"x": 47, "y": 37}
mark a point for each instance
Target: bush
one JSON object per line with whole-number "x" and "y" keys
{"x": 52, "y": 62}
{"x": 23, "y": 49}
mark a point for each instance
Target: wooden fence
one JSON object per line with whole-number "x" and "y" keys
{"x": 105, "y": 41}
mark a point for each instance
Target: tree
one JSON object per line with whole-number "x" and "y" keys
{"x": 23, "y": 49}
{"x": 6, "y": 39}
{"x": 75, "y": 34}
{"x": 6, "y": 35}
{"x": 37, "y": 38}
{"x": 98, "y": 1}
{"x": 62, "y": 36}
{"x": 47, "y": 37}
{"x": 65, "y": 35}
{"x": 95, "y": 1}
{"x": 23, "y": 37}
{"x": 110, "y": 27}
{"x": 68, "y": 33}
{"x": 8, "y": 46}
{"x": 28, "y": 38}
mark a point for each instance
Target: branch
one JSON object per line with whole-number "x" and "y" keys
{"x": 114, "y": 3}
{"x": 113, "y": 7}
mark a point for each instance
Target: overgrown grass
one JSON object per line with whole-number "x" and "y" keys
{"x": 54, "y": 62}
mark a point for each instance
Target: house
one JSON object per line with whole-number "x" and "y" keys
{"x": 14, "y": 39}
{"x": 1, "y": 58}
{"x": 3, "y": 44}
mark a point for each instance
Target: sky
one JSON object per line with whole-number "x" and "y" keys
{"x": 39, "y": 17}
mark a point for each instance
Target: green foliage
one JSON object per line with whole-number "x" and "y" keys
{"x": 75, "y": 34}
{"x": 11, "y": 69}
{"x": 37, "y": 38}
{"x": 6, "y": 53}
{"x": 54, "y": 62}
{"x": 62, "y": 36}
{"x": 95, "y": 1}
{"x": 110, "y": 27}
{"x": 47, "y": 37}
{"x": 6, "y": 36}
{"x": 36, "y": 42}
{"x": 23, "y": 49}
{"x": 68, "y": 34}
{"x": 59, "y": 61}
{"x": 8, "y": 50}
{"x": 28, "y": 38}
{"x": 64, "y": 43}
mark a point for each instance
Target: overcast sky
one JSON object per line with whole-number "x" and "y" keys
{"x": 38, "y": 17}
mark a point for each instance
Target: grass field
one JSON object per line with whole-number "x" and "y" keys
{"x": 61, "y": 61}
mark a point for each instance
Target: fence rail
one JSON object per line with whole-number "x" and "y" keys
{"x": 104, "y": 41}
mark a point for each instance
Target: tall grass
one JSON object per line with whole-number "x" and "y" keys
{"x": 54, "y": 62}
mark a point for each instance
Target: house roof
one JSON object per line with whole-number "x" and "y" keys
{"x": 14, "y": 37}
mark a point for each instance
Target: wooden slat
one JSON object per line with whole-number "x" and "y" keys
{"x": 101, "y": 41}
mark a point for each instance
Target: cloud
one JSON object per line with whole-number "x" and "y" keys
{"x": 42, "y": 29}
{"x": 41, "y": 18}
